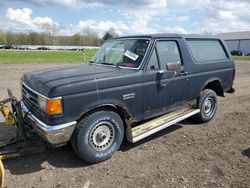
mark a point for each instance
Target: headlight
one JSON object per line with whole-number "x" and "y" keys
{"x": 51, "y": 106}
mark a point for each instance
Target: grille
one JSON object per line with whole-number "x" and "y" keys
{"x": 30, "y": 98}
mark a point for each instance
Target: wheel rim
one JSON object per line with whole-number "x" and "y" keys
{"x": 102, "y": 136}
{"x": 208, "y": 106}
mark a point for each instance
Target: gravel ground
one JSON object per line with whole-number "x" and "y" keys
{"x": 215, "y": 154}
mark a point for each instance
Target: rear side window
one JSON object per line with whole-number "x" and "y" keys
{"x": 206, "y": 50}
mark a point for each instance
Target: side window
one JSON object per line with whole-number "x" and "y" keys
{"x": 206, "y": 50}
{"x": 168, "y": 51}
{"x": 153, "y": 62}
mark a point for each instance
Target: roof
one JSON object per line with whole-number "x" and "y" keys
{"x": 235, "y": 35}
{"x": 168, "y": 35}
{"x": 152, "y": 35}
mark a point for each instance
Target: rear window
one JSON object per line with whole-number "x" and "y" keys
{"x": 206, "y": 50}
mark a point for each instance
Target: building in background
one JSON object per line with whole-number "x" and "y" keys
{"x": 237, "y": 41}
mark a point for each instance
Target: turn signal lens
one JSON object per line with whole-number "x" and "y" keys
{"x": 54, "y": 107}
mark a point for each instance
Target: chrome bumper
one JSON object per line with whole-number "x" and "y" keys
{"x": 54, "y": 134}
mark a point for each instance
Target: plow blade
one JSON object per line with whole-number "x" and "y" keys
{"x": 20, "y": 148}
{"x": 23, "y": 143}
{"x": 11, "y": 149}
{"x": 2, "y": 173}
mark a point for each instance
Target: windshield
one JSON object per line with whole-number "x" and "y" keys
{"x": 122, "y": 52}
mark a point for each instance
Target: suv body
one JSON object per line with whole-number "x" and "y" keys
{"x": 130, "y": 80}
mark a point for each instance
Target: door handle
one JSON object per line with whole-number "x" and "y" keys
{"x": 183, "y": 73}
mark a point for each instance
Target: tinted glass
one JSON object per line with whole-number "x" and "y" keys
{"x": 168, "y": 51}
{"x": 206, "y": 50}
{"x": 153, "y": 62}
{"x": 122, "y": 52}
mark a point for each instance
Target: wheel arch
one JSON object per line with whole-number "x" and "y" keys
{"x": 214, "y": 84}
{"x": 122, "y": 111}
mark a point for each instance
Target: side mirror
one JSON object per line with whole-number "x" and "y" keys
{"x": 161, "y": 72}
{"x": 173, "y": 66}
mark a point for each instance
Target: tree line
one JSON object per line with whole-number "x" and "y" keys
{"x": 87, "y": 38}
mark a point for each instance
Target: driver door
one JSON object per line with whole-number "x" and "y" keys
{"x": 164, "y": 90}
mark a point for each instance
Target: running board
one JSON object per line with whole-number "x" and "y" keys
{"x": 146, "y": 129}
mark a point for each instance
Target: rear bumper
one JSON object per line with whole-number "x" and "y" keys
{"x": 54, "y": 134}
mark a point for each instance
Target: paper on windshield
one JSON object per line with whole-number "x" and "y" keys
{"x": 131, "y": 55}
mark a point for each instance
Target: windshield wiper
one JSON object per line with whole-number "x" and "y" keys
{"x": 116, "y": 65}
{"x": 104, "y": 63}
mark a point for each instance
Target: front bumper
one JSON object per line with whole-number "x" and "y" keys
{"x": 54, "y": 134}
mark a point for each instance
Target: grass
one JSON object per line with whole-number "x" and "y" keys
{"x": 238, "y": 58}
{"x": 29, "y": 56}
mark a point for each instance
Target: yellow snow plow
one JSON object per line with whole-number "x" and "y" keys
{"x": 24, "y": 142}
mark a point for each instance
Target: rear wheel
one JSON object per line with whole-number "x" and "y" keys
{"x": 207, "y": 104}
{"x": 98, "y": 136}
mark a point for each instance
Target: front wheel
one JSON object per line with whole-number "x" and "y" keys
{"x": 98, "y": 136}
{"x": 207, "y": 104}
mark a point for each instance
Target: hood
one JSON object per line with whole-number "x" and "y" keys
{"x": 69, "y": 80}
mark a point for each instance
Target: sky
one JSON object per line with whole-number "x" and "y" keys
{"x": 127, "y": 17}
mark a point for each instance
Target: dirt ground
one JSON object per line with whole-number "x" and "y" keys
{"x": 216, "y": 154}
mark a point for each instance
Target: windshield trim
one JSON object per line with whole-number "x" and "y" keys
{"x": 123, "y": 67}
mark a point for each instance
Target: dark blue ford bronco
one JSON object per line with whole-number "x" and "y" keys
{"x": 134, "y": 87}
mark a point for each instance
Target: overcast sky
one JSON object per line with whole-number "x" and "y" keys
{"x": 126, "y": 16}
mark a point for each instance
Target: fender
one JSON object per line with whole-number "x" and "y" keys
{"x": 118, "y": 106}
{"x": 219, "y": 91}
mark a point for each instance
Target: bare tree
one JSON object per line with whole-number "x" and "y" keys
{"x": 51, "y": 30}
{"x": 111, "y": 33}
{"x": 3, "y": 38}
{"x": 49, "y": 37}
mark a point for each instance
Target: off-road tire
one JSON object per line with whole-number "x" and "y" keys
{"x": 98, "y": 136}
{"x": 207, "y": 103}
